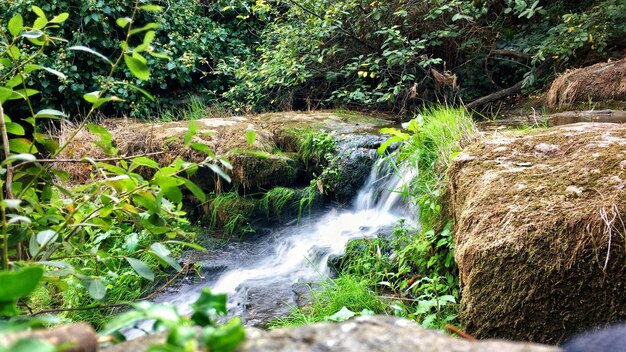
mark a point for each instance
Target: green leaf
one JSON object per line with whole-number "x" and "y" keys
{"x": 5, "y": 94}
{"x": 15, "y": 128}
{"x": 149, "y": 38}
{"x": 22, "y": 145}
{"x": 153, "y": 8}
{"x": 16, "y": 23}
{"x": 93, "y": 52}
{"x": 97, "y": 289}
{"x": 218, "y": 170}
{"x": 39, "y": 12}
{"x": 250, "y": 136}
{"x": 163, "y": 253}
{"x": 141, "y": 268}
{"x": 147, "y": 27}
{"x": 195, "y": 190}
{"x": 142, "y": 91}
{"x": 192, "y": 129}
{"x": 50, "y": 114}
{"x": 223, "y": 338}
{"x": 123, "y": 22}
{"x": 208, "y": 307}
{"x": 60, "y": 18}
{"x": 23, "y": 93}
{"x": 29, "y": 345}
{"x": 40, "y": 23}
{"x": 34, "y": 34}
{"x": 342, "y": 315}
{"x": 143, "y": 161}
{"x": 138, "y": 68}
{"x": 20, "y": 283}
{"x": 14, "y": 52}
{"x": 20, "y": 157}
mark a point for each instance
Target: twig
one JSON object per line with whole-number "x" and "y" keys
{"x": 460, "y": 332}
{"x": 8, "y": 178}
{"x": 89, "y": 161}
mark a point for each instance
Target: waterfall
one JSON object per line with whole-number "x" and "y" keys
{"x": 299, "y": 253}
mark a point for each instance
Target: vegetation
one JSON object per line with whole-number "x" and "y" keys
{"x": 77, "y": 249}
{"x": 413, "y": 273}
{"x": 85, "y": 251}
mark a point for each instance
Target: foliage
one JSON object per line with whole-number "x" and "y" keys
{"x": 197, "y": 36}
{"x": 115, "y": 230}
{"x": 182, "y": 335}
{"x": 380, "y": 54}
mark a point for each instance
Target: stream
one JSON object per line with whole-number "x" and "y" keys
{"x": 267, "y": 277}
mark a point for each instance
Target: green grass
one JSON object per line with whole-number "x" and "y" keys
{"x": 345, "y": 291}
{"x": 276, "y": 199}
{"x": 194, "y": 109}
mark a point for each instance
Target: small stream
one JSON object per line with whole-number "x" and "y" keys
{"x": 266, "y": 277}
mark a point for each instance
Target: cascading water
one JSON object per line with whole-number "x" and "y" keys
{"x": 268, "y": 268}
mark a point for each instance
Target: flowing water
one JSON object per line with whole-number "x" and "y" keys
{"x": 264, "y": 277}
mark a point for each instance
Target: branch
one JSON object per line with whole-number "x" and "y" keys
{"x": 509, "y": 91}
{"x": 89, "y": 161}
{"x": 8, "y": 178}
{"x": 504, "y": 52}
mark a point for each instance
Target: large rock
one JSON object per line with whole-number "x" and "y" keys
{"x": 540, "y": 231}
{"x": 371, "y": 334}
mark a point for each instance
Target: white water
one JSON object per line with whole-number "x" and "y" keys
{"x": 299, "y": 252}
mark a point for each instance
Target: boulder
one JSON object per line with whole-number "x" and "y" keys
{"x": 540, "y": 231}
{"x": 372, "y": 334}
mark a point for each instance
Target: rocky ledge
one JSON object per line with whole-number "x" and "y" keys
{"x": 540, "y": 231}
{"x": 373, "y": 334}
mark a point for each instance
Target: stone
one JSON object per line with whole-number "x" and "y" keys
{"x": 538, "y": 263}
{"x": 371, "y": 334}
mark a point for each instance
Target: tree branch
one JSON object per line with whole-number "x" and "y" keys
{"x": 509, "y": 91}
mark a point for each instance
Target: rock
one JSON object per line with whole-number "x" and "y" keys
{"x": 546, "y": 260}
{"x": 372, "y": 334}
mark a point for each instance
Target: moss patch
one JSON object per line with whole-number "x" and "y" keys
{"x": 540, "y": 233}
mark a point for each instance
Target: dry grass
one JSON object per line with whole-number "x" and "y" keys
{"x": 600, "y": 82}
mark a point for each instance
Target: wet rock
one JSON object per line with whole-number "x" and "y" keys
{"x": 543, "y": 261}
{"x": 357, "y": 154}
{"x": 266, "y": 301}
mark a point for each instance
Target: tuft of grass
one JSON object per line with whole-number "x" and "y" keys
{"x": 194, "y": 109}
{"x": 276, "y": 199}
{"x": 231, "y": 212}
{"x": 441, "y": 133}
{"x": 344, "y": 291}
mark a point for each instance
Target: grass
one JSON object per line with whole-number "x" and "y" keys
{"x": 276, "y": 199}
{"x": 194, "y": 109}
{"x": 345, "y": 291}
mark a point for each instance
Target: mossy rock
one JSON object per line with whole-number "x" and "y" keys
{"x": 256, "y": 172}
{"x": 540, "y": 234}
